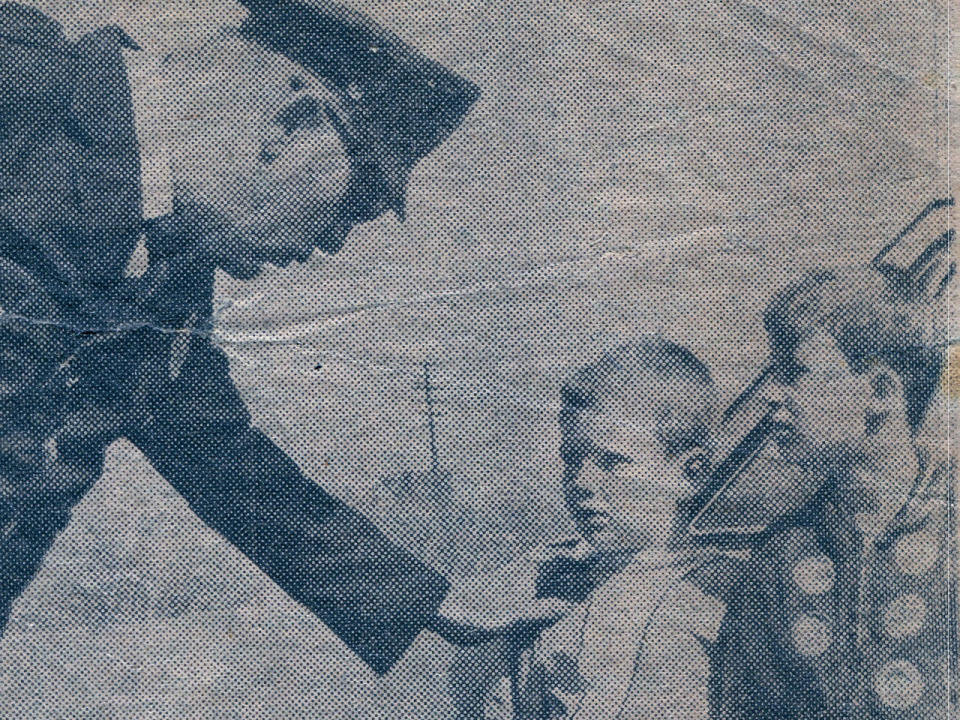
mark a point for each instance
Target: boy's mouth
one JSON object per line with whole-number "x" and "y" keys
{"x": 592, "y": 519}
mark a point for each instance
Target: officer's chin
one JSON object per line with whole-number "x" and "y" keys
{"x": 242, "y": 269}
{"x": 330, "y": 238}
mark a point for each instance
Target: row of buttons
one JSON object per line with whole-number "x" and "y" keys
{"x": 914, "y": 554}
{"x": 899, "y": 684}
{"x": 903, "y": 618}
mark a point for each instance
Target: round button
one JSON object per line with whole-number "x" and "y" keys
{"x": 904, "y": 616}
{"x": 898, "y": 684}
{"x": 916, "y": 553}
{"x": 811, "y": 636}
{"x": 814, "y": 575}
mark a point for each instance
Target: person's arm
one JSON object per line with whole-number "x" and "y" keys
{"x": 374, "y": 595}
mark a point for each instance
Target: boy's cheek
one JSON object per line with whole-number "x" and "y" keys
{"x": 831, "y": 404}
{"x": 645, "y": 520}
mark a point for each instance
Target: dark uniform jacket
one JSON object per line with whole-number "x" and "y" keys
{"x": 120, "y": 358}
{"x": 823, "y": 628}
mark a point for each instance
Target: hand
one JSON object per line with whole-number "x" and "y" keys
{"x": 502, "y": 603}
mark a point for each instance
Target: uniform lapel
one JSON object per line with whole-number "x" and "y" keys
{"x": 107, "y": 180}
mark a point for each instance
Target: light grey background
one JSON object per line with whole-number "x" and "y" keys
{"x": 630, "y": 167}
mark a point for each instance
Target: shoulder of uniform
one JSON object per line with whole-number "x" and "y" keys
{"x": 28, "y": 26}
{"x": 35, "y": 65}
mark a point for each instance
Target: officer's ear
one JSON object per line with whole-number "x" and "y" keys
{"x": 886, "y": 397}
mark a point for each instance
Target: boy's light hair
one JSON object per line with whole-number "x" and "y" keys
{"x": 655, "y": 381}
{"x": 870, "y": 321}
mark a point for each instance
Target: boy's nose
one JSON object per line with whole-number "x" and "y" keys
{"x": 589, "y": 481}
{"x": 578, "y": 493}
{"x": 270, "y": 149}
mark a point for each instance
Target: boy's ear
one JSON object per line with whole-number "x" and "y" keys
{"x": 886, "y": 397}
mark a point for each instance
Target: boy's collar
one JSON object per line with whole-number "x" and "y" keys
{"x": 685, "y": 556}
{"x": 578, "y": 548}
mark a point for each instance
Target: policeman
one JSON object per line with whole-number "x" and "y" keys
{"x": 126, "y": 181}
{"x": 848, "y": 610}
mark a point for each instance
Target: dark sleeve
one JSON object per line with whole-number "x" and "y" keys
{"x": 374, "y": 595}
{"x": 758, "y": 673}
{"x": 71, "y": 170}
{"x": 33, "y": 74}
{"x": 748, "y": 681}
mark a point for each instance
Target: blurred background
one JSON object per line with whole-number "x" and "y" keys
{"x": 656, "y": 166}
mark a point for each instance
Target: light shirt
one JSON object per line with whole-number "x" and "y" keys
{"x": 585, "y": 662}
{"x": 156, "y": 181}
{"x": 155, "y": 175}
{"x": 633, "y": 649}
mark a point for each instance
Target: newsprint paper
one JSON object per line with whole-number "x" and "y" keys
{"x": 463, "y": 359}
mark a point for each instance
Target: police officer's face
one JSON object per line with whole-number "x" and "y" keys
{"x": 254, "y": 142}
{"x": 626, "y": 494}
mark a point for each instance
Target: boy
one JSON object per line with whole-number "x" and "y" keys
{"x": 635, "y": 426}
{"x": 847, "y": 609}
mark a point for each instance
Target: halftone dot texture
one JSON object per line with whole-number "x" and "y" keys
{"x": 621, "y": 169}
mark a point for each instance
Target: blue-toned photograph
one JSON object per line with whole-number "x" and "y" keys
{"x": 473, "y": 360}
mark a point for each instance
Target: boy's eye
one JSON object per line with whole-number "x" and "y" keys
{"x": 608, "y": 461}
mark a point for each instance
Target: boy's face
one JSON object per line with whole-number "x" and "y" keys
{"x": 845, "y": 424}
{"x": 824, "y": 402}
{"x": 626, "y": 494}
